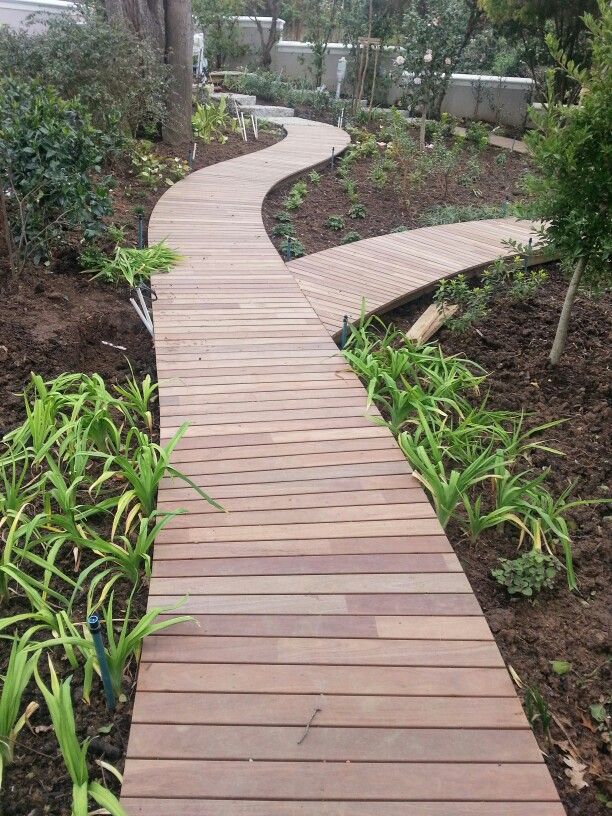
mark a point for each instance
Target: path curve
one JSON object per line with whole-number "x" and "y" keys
{"x": 328, "y": 594}
{"x": 392, "y": 269}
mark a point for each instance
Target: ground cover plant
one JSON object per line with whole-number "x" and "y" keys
{"x": 383, "y": 181}
{"x": 535, "y": 633}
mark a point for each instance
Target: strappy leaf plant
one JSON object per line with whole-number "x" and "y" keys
{"x": 74, "y": 752}
{"x": 13, "y": 717}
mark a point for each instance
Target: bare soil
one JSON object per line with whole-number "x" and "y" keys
{"x": 388, "y": 208}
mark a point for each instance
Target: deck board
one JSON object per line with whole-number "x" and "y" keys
{"x": 328, "y": 584}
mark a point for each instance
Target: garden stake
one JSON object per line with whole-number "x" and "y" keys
{"x": 528, "y": 254}
{"x": 344, "y": 335}
{"x": 140, "y": 230}
{"x": 93, "y": 621}
{"x": 254, "y": 126}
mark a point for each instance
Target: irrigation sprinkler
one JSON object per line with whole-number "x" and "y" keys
{"x": 528, "y": 254}
{"x": 93, "y": 622}
{"x": 140, "y": 230}
{"x": 344, "y": 333}
{"x": 333, "y": 156}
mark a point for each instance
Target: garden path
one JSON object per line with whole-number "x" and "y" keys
{"x": 328, "y": 595}
{"x": 389, "y": 270}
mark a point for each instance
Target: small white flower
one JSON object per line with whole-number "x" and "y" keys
{"x": 428, "y": 56}
{"x": 447, "y": 61}
{"x": 400, "y": 60}
{"x": 435, "y": 22}
{"x": 417, "y": 80}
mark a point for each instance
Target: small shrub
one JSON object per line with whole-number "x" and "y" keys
{"x": 213, "y": 121}
{"x": 401, "y": 228}
{"x": 155, "y": 170}
{"x": 335, "y": 222}
{"x": 282, "y": 217}
{"x": 525, "y": 283}
{"x": 283, "y": 230}
{"x": 357, "y": 211}
{"x": 296, "y": 196}
{"x": 379, "y": 177}
{"x": 351, "y": 237}
{"x": 528, "y": 574}
{"x": 292, "y": 248}
{"x": 471, "y": 173}
{"x": 314, "y": 177}
{"x": 441, "y": 129}
{"x": 477, "y": 134}
{"x": 502, "y": 158}
{"x": 350, "y": 188}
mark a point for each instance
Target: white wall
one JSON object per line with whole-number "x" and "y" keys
{"x": 16, "y": 12}
{"x": 499, "y": 100}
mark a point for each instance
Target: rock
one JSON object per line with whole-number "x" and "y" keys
{"x": 607, "y": 520}
{"x": 57, "y": 297}
{"x": 3, "y": 354}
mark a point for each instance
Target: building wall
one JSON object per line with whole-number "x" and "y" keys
{"x": 15, "y": 13}
{"x": 498, "y": 100}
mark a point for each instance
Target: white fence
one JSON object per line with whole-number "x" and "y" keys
{"x": 15, "y": 13}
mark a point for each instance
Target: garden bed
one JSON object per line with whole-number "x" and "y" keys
{"x": 387, "y": 208}
{"x": 512, "y": 344}
{"x": 55, "y": 320}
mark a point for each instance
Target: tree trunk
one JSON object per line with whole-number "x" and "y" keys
{"x": 563, "y": 326}
{"x": 179, "y": 49}
{"x": 146, "y": 17}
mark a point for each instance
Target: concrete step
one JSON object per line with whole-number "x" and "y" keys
{"x": 241, "y": 99}
{"x": 266, "y": 111}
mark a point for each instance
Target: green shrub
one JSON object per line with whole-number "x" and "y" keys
{"x": 314, "y": 177}
{"x": 528, "y": 574}
{"x": 477, "y": 134}
{"x": 50, "y": 155}
{"x": 351, "y": 237}
{"x": 335, "y": 222}
{"x": 116, "y": 74}
{"x": 283, "y": 229}
{"x": 296, "y": 196}
{"x": 292, "y": 248}
{"x": 357, "y": 211}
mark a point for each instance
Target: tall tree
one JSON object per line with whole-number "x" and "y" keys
{"x": 270, "y": 36}
{"x": 168, "y": 25}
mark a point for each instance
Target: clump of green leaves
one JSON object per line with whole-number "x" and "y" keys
{"x": 284, "y": 229}
{"x": 292, "y": 248}
{"x": 296, "y": 196}
{"x": 477, "y": 134}
{"x": 537, "y": 710}
{"x": 74, "y": 753}
{"x": 350, "y": 237}
{"x": 314, "y": 177}
{"x": 357, "y": 211}
{"x": 335, "y": 223}
{"x": 155, "y": 170}
{"x": 528, "y": 574}
{"x": 51, "y": 158}
{"x": 454, "y": 213}
{"x": 133, "y": 266}
{"x": 213, "y": 121}
{"x": 19, "y": 670}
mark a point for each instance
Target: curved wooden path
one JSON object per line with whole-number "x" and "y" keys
{"x": 389, "y": 270}
{"x": 339, "y": 664}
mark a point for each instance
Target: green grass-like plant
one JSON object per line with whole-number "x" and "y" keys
{"x": 135, "y": 266}
{"x": 19, "y": 670}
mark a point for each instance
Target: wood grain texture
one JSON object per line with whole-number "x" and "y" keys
{"x": 327, "y": 592}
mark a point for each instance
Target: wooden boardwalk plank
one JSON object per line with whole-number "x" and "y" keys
{"x": 328, "y": 585}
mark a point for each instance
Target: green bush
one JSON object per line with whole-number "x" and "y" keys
{"x": 528, "y": 574}
{"x": 335, "y": 223}
{"x": 116, "y": 74}
{"x": 453, "y": 213}
{"x": 477, "y": 134}
{"x": 350, "y": 237}
{"x": 357, "y": 211}
{"x": 49, "y": 153}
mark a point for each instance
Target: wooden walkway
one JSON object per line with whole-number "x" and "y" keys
{"x": 389, "y": 270}
{"x": 328, "y": 595}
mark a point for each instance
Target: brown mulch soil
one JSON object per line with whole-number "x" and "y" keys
{"x": 55, "y": 320}
{"x": 512, "y": 344}
{"x": 387, "y": 209}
